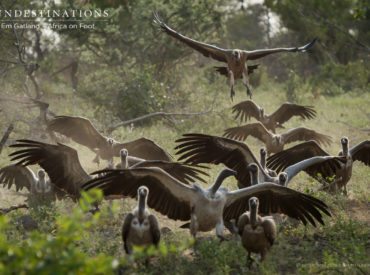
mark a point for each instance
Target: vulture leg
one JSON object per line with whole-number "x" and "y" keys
{"x": 246, "y": 82}
{"x": 220, "y": 230}
{"x": 231, "y": 83}
{"x": 97, "y": 159}
{"x": 194, "y": 226}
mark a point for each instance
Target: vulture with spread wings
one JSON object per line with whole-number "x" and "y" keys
{"x": 311, "y": 149}
{"x": 82, "y": 131}
{"x": 247, "y": 109}
{"x": 199, "y": 148}
{"x": 275, "y": 142}
{"x": 63, "y": 166}
{"x": 234, "y": 58}
{"x": 207, "y": 208}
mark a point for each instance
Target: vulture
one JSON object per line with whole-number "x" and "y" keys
{"x": 139, "y": 226}
{"x": 199, "y": 148}
{"x": 23, "y": 177}
{"x": 275, "y": 142}
{"x": 311, "y": 149}
{"x": 247, "y": 109}
{"x": 63, "y": 166}
{"x": 257, "y": 233}
{"x": 82, "y": 131}
{"x": 263, "y": 154}
{"x": 207, "y": 208}
{"x": 234, "y": 58}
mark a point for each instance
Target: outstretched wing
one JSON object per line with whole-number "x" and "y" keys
{"x": 79, "y": 129}
{"x": 60, "y": 162}
{"x": 257, "y": 130}
{"x": 252, "y": 55}
{"x": 207, "y": 50}
{"x": 142, "y": 148}
{"x": 181, "y": 171}
{"x": 361, "y": 152}
{"x": 246, "y": 110}
{"x": 305, "y": 134}
{"x": 282, "y": 160}
{"x": 199, "y": 148}
{"x": 288, "y": 110}
{"x": 20, "y": 176}
{"x": 274, "y": 198}
{"x": 166, "y": 194}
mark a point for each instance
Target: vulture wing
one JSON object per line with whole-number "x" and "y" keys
{"x": 182, "y": 172}
{"x": 60, "y": 162}
{"x": 252, "y": 55}
{"x": 361, "y": 152}
{"x": 282, "y": 160}
{"x": 79, "y": 129}
{"x": 20, "y": 176}
{"x": 207, "y": 50}
{"x": 257, "y": 130}
{"x": 167, "y": 195}
{"x": 305, "y": 134}
{"x": 199, "y": 148}
{"x": 142, "y": 148}
{"x": 288, "y": 110}
{"x": 246, "y": 110}
{"x": 274, "y": 198}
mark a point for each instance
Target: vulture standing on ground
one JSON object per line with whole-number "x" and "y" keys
{"x": 82, "y": 131}
{"x": 257, "y": 233}
{"x": 235, "y": 59}
{"x": 275, "y": 142}
{"x": 207, "y": 208}
{"x": 247, "y": 109}
{"x": 311, "y": 149}
{"x": 62, "y": 164}
{"x": 139, "y": 226}
{"x": 199, "y": 148}
{"x": 24, "y": 177}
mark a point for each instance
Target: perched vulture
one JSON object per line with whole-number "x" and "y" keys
{"x": 247, "y": 109}
{"x": 311, "y": 149}
{"x": 199, "y": 148}
{"x": 62, "y": 164}
{"x": 139, "y": 226}
{"x": 207, "y": 208}
{"x": 82, "y": 131}
{"x": 275, "y": 142}
{"x": 235, "y": 59}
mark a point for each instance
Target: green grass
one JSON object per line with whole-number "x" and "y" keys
{"x": 340, "y": 246}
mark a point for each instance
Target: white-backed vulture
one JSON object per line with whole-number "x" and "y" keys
{"x": 247, "y": 109}
{"x": 311, "y": 149}
{"x": 275, "y": 142}
{"x": 139, "y": 226}
{"x": 257, "y": 233}
{"x": 207, "y": 208}
{"x": 82, "y": 131}
{"x": 263, "y": 154}
{"x": 200, "y": 148}
{"x": 62, "y": 164}
{"x": 235, "y": 59}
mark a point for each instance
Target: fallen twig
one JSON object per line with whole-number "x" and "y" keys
{"x": 6, "y": 136}
{"x": 4, "y": 211}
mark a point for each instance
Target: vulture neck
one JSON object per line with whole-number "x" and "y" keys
{"x": 124, "y": 162}
{"x": 40, "y": 185}
{"x": 141, "y": 207}
{"x": 345, "y": 149}
{"x": 254, "y": 177}
{"x": 253, "y": 216}
{"x": 263, "y": 160}
{"x": 220, "y": 178}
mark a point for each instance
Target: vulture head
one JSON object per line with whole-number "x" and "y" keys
{"x": 140, "y": 221}
{"x": 283, "y": 178}
{"x": 236, "y": 54}
{"x": 41, "y": 174}
{"x": 344, "y": 142}
{"x": 253, "y": 171}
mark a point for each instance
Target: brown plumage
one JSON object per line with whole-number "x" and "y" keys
{"x": 257, "y": 233}
{"x": 247, "y": 109}
{"x": 82, "y": 131}
{"x": 140, "y": 227}
{"x": 310, "y": 149}
{"x": 275, "y": 142}
{"x": 235, "y": 59}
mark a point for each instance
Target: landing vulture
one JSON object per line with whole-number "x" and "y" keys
{"x": 82, "y": 131}
{"x": 247, "y": 109}
{"x": 234, "y": 58}
{"x": 275, "y": 142}
{"x": 207, "y": 208}
{"x": 311, "y": 149}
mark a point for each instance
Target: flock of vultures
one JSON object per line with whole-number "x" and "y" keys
{"x": 147, "y": 172}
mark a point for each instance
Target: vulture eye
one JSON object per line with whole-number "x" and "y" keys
{"x": 135, "y": 222}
